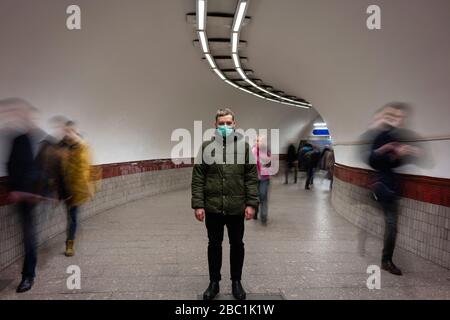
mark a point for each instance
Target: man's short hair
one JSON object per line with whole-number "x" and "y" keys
{"x": 70, "y": 123}
{"x": 402, "y": 106}
{"x": 224, "y": 112}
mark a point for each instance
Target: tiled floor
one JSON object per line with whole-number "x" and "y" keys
{"x": 155, "y": 249}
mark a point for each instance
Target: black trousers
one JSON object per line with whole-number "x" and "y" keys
{"x": 390, "y": 229}
{"x": 288, "y": 169}
{"x": 309, "y": 176}
{"x": 26, "y": 211}
{"x": 215, "y": 223}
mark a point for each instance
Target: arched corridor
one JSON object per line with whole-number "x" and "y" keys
{"x": 131, "y": 134}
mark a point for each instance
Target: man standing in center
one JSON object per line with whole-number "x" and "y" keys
{"x": 225, "y": 192}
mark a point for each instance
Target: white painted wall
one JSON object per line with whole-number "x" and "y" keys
{"x": 129, "y": 77}
{"x": 132, "y": 75}
{"x": 323, "y": 51}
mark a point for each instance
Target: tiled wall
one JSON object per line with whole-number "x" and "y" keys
{"x": 423, "y": 227}
{"x": 121, "y": 183}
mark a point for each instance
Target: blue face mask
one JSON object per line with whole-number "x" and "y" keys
{"x": 225, "y": 130}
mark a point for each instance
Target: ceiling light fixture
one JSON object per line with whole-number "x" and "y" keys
{"x": 234, "y": 42}
{"x": 241, "y": 73}
{"x": 201, "y": 15}
{"x": 219, "y": 73}
{"x": 237, "y": 24}
{"x": 203, "y": 41}
{"x": 232, "y": 84}
{"x": 242, "y": 6}
{"x": 238, "y": 18}
{"x": 210, "y": 61}
{"x": 237, "y": 62}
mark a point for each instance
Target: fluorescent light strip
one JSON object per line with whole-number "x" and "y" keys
{"x": 210, "y": 60}
{"x": 239, "y": 16}
{"x": 296, "y": 102}
{"x": 250, "y": 92}
{"x": 241, "y": 73}
{"x": 201, "y": 15}
{"x": 275, "y": 95}
{"x": 234, "y": 46}
{"x": 251, "y": 82}
{"x": 237, "y": 63}
{"x": 203, "y": 41}
{"x": 260, "y": 96}
{"x": 243, "y": 89}
{"x": 220, "y": 74}
{"x": 234, "y": 42}
{"x": 294, "y": 105}
{"x": 234, "y": 51}
{"x": 232, "y": 84}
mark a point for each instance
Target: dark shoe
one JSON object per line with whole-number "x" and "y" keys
{"x": 25, "y": 285}
{"x": 212, "y": 291}
{"x": 238, "y": 291}
{"x": 307, "y": 188}
{"x": 390, "y": 267}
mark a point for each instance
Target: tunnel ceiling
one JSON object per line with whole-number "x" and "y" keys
{"x": 323, "y": 52}
{"x": 219, "y": 36}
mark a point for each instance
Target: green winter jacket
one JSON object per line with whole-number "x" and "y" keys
{"x": 225, "y": 178}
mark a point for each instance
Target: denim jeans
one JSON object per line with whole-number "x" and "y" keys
{"x": 72, "y": 222}
{"x": 215, "y": 223}
{"x": 26, "y": 211}
{"x": 263, "y": 188}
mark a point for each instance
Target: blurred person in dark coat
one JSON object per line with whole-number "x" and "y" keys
{"x": 310, "y": 158}
{"x": 291, "y": 163}
{"x": 24, "y": 178}
{"x": 389, "y": 150}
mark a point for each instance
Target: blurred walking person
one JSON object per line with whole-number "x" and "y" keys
{"x": 24, "y": 179}
{"x": 387, "y": 153}
{"x": 78, "y": 186}
{"x": 328, "y": 163}
{"x": 310, "y": 158}
{"x": 291, "y": 163}
{"x": 262, "y": 155}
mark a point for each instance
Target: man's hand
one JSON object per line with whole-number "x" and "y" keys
{"x": 200, "y": 214}
{"x": 249, "y": 212}
{"x": 388, "y": 147}
{"x": 407, "y": 150}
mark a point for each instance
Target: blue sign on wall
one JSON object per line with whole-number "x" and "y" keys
{"x": 321, "y": 132}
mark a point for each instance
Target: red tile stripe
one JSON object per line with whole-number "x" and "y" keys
{"x": 421, "y": 188}
{"x": 112, "y": 170}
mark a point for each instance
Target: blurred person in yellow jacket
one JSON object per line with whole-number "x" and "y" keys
{"x": 78, "y": 189}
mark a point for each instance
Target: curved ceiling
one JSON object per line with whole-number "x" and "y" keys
{"x": 133, "y": 67}
{"x": 129, "y": 77}
{"x": 220, "y": 41}
{"x": 323, "y": 51}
